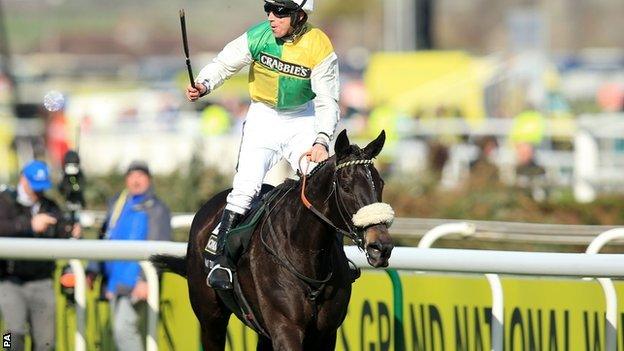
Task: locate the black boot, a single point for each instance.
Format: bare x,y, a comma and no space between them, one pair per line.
220,276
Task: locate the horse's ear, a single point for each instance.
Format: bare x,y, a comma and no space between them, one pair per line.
342,144
374,148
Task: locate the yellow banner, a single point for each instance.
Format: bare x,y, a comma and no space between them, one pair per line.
453,312
437,312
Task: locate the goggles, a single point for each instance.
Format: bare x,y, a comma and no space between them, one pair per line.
278,11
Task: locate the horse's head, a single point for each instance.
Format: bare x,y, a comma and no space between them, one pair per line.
359,189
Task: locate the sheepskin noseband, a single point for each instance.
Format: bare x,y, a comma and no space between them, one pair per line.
372,214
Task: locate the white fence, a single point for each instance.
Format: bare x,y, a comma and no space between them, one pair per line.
443,260
468,229
448,260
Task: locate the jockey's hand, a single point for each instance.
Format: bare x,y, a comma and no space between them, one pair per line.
318,153
194,92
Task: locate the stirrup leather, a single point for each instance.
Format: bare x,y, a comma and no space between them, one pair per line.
212,247
219,266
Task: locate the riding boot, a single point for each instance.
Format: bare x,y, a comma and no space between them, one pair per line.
220,276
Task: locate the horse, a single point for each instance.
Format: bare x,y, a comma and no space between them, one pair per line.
294,273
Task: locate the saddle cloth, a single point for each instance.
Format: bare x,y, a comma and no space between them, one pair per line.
239,237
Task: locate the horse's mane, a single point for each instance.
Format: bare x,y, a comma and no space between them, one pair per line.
290,184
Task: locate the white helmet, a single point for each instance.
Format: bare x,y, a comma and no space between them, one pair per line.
306,5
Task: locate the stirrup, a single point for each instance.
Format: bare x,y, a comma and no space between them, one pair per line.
208,265
215,268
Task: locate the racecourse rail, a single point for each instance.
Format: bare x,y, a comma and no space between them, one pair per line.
404,258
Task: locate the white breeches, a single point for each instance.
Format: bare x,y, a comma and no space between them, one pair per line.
269,136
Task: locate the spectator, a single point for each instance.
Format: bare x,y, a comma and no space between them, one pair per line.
530,175
483,168
26,287
215,120
134,214
437,158
528,127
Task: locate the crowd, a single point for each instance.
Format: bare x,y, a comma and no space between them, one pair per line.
27,288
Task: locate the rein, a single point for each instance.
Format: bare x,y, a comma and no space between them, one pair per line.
315,284
284,261
351,234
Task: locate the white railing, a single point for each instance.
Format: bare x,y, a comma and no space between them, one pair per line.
406,258
608,288
75,250
447,260
80,296
467,229
153,302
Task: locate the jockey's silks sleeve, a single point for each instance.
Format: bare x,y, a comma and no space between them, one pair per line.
284,75
325,85
230,60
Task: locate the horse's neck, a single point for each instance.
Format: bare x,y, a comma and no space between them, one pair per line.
308,235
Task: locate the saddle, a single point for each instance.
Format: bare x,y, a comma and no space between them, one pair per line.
237,243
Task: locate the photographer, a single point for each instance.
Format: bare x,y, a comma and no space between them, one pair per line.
26,287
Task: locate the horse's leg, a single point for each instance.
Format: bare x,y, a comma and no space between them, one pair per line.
213,334
264,344
322,343
287,337
213,316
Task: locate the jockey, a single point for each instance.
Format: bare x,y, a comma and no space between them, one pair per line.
294,88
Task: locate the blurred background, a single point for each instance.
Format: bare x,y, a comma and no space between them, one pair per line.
494,109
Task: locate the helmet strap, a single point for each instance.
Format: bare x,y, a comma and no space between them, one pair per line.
294,17
298,24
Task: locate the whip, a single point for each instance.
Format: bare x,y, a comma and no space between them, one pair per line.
186,48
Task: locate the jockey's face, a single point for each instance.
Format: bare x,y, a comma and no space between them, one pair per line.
137,182
279,25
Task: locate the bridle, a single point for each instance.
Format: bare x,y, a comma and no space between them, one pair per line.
316,285
351,232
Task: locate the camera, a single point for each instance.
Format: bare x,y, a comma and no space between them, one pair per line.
71,188
72,183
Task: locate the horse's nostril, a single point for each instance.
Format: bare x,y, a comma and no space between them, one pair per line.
375,246
386,250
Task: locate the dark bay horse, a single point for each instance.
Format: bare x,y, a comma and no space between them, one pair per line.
295,274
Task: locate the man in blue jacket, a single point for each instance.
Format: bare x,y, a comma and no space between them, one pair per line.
134,214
